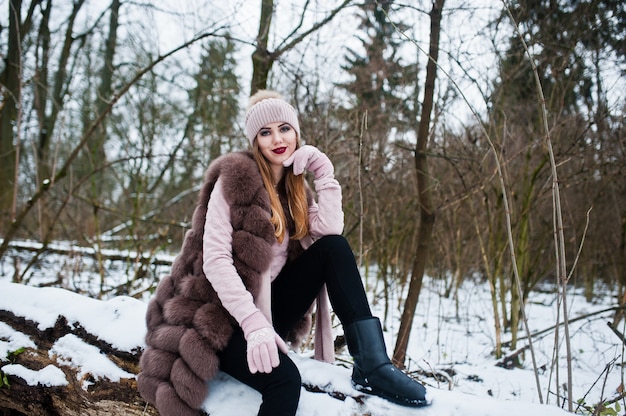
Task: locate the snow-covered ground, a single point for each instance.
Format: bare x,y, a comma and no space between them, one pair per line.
451,337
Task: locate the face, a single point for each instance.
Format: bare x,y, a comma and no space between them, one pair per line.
277,141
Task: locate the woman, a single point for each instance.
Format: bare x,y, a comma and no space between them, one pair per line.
261,252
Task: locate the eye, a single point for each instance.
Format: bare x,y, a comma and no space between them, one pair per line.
264,132
285,127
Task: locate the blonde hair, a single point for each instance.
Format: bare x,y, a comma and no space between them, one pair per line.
296,198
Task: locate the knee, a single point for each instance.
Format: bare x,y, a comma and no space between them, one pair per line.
286,377
334,242
292,375
281,394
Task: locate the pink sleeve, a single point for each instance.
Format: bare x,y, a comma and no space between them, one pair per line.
326,216
218,263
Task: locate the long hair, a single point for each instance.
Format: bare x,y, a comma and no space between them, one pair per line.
296,198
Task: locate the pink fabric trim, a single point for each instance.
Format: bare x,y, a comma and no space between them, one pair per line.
254,322
324,345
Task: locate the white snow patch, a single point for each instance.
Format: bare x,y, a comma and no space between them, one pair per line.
12,340
48,376
72,351
119,321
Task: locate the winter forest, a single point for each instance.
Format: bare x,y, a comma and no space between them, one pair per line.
476,143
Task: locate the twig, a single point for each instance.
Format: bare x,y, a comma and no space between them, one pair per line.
559,238
606,370
578,318
616,332
582,242
360,185
508,362
614,399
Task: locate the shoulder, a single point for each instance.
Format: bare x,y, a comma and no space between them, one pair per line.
235,163
232,166
238,174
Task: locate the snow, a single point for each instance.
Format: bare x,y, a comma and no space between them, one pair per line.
118,321
70,350
452,337
48,376
11,340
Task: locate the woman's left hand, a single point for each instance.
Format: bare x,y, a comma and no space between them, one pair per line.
262,351
312,159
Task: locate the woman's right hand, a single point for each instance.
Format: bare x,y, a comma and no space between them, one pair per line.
312,159
263,344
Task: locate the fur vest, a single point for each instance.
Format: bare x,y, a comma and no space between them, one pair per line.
187,325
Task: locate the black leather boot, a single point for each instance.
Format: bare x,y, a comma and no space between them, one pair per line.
373,372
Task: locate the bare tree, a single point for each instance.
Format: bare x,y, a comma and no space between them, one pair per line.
263,58
11,90
426,210
64,170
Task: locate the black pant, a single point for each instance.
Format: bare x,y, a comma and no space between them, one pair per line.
329,260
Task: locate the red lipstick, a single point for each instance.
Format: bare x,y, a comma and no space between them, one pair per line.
279,150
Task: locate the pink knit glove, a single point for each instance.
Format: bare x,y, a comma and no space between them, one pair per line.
312,159
263,343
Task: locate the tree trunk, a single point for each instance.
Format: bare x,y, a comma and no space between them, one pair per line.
41,90
95,151
11,93
262,60
426,211
49,98
95,145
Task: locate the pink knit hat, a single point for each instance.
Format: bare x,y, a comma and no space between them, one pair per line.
269,107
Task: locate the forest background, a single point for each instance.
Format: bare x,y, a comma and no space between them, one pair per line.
447,123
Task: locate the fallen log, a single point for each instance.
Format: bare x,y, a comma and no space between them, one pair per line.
37,382
28,389
512,360
58,356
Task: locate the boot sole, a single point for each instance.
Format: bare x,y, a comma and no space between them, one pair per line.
392,398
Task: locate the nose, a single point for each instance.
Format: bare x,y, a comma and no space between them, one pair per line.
276,136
